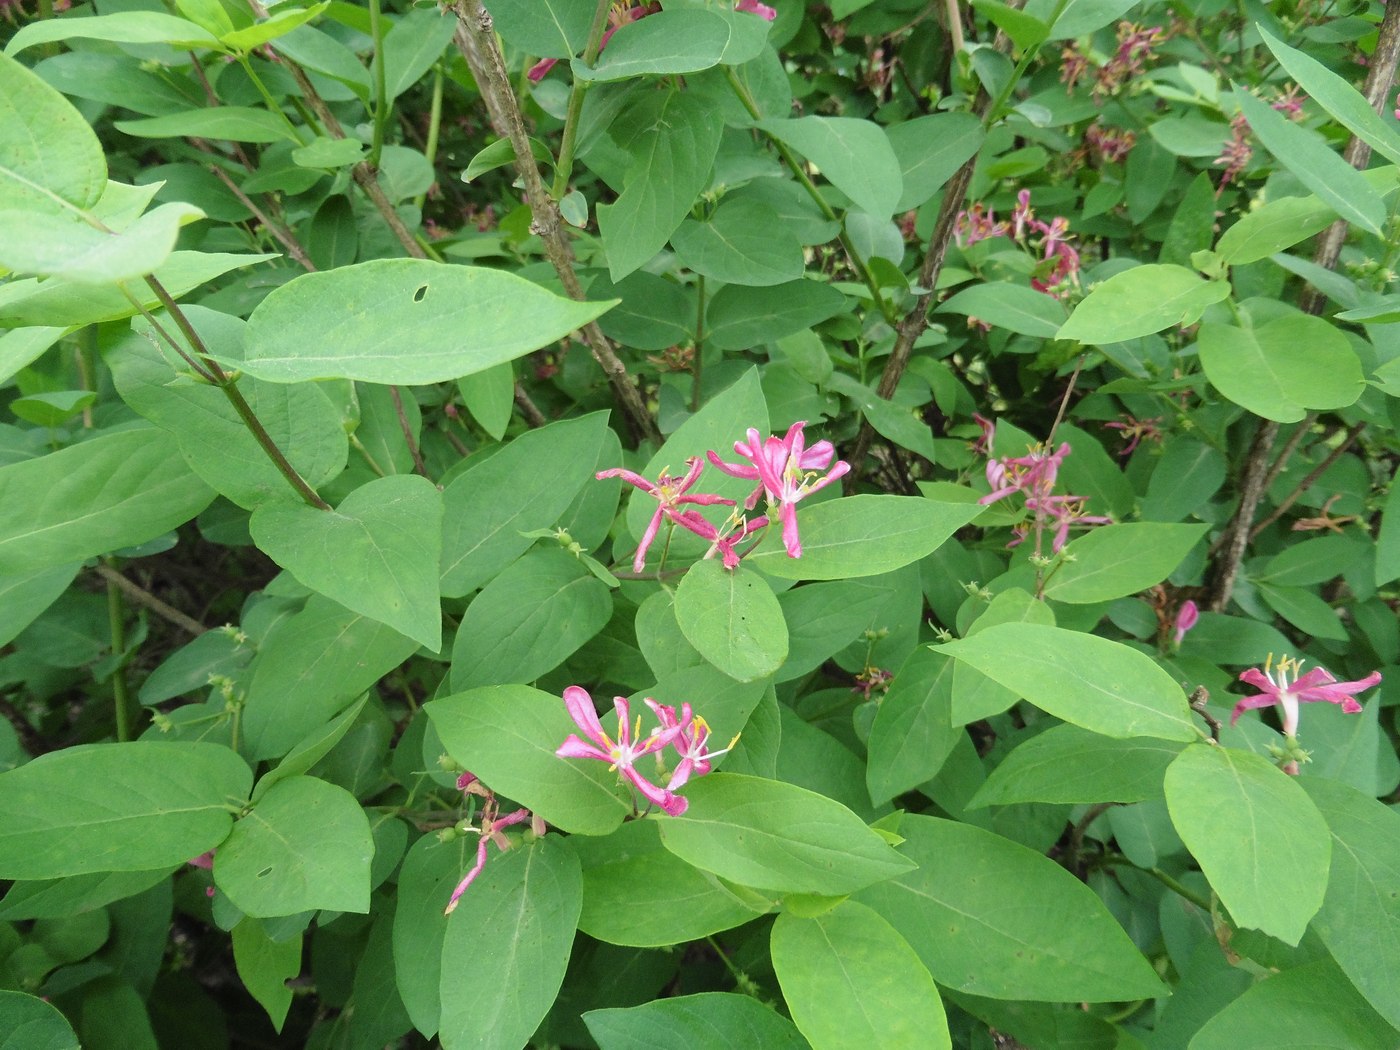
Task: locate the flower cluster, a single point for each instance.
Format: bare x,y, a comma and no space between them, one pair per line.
621,15
490,828
1135,47
1058,268
1236,154
686,733
1282,684
1111,144
787,471
1137,431
1033,475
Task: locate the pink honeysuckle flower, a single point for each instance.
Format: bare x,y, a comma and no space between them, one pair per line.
204,860
692,743
753,7
786,470
983,445
1137,431
1065,510
621,754
670,492
1281,684
1033,473
726,542
1186,618
490,831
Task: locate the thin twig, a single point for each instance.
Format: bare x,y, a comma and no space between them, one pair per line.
1076,835
284,236
408,437
1289,447
476,40
1353,432
528,408
1224,571
1200,697
145,598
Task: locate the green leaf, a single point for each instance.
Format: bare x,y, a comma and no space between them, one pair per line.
1079,17
742,243
1337,97
1360,916
930,149
232,123
550,28
733,620
525,486
740,317
403,321
913,731
310,668
377,553
1311,1006
854,155
1015,307
1187,475
212,437
500,153
25,595
774,836
654,313
1067,764
1272,227
30,1023
1305,611
864,536
414,42
1257,836
507,735
1026,31
75,894
117,807
504,956
124,27
47,149
1309,159
663,44
528,620
638,893
430,871
22,347
281,23
1141,301
490,397
326,152
1101,685
116,490
670,139
310,749
1387,539
1282,368
265,966
305,845
993,918
824,618
688,1021
975,696
843,972
1117,560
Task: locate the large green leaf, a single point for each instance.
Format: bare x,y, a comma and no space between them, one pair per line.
550,28
117,807
1073,765
430,871
377,553
663,44
413,44
913,731
636,892
403,321
305,845
30,1023
842,971
742,243
1117,560
1257,836
508,734
1141,301
930,149
1272,227
1015,307
670,139
864,536
123,27
778,837
733,620
854,155
492,506
233,123
504,956
993,918
1103,686
1282,368
740,317
265,966
975,695
68,245
49,156
116,490
1308,158
25,595
689,1021
1360,917
528,620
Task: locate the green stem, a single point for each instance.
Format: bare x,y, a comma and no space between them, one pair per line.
1161,876
740,978
698,364
858,261
121,698
430,148
381,91
1027,57
565,167
271,102
229,386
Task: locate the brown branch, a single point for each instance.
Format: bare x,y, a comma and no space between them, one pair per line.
1353,432
407,430
528,408
476,40
141,596
1256,463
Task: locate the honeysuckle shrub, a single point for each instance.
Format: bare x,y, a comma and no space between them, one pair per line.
697,524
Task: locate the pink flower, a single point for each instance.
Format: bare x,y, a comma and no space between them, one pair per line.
670,493
726,543
490,831
753,7
204,860
1284,686
786,470
1186,618
1033,473
1065,511
692,742
622,753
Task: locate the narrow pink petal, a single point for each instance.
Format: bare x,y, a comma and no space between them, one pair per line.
1248,703
580,707
818,456
624,719
734,470
696,465
639,561
573,747
628,476
788,516
1259,680
539,70
841,469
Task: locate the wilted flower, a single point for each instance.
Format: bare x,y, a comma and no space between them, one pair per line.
1236,154
1137,431
490,831
621,754
670,492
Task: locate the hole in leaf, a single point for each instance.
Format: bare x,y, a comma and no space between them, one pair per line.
421,294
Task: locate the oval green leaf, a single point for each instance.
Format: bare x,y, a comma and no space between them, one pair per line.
1141,301
1117,560
733,619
